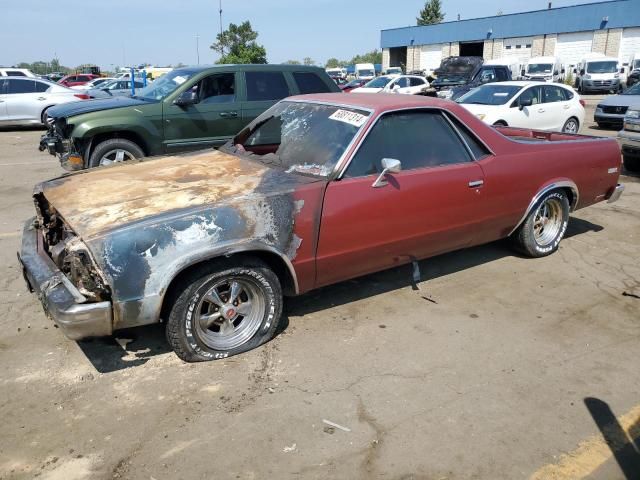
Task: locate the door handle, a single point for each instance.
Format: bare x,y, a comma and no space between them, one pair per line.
476,183
567,107
541,110
42,98
229,114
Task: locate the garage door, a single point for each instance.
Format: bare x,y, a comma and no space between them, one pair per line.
517,47
571,47
630,43
430,57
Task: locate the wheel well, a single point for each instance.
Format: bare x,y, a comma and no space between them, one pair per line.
127,135
272,260
44,110
501,123
571,195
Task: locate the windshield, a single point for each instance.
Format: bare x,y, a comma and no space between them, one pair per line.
166,84
635,90
108,84
602,67
494,94
539,68
394,70
379,82
299,137
365,73
636,65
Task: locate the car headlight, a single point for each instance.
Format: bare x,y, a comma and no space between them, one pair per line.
599,109
481,116
617,75
632,114
587,77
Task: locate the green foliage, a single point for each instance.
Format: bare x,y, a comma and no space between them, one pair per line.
334,63
42,68
374,57
431,13
568,80
238,44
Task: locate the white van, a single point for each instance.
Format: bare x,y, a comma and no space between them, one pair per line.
365,71
597,73
16,72
337,72
513,64
544,69
630,64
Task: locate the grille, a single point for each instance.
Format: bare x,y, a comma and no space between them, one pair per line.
615,110
602,83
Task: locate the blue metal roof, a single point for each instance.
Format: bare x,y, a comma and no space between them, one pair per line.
577,18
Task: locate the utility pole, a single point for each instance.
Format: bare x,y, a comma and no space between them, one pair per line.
220,12
198,48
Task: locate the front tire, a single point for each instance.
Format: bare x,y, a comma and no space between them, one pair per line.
224,310
114,150
571,126
544,227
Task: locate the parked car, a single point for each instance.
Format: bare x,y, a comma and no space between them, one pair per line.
597,73
77,79
186,109
611,110
16,72
352,85
393,71
405,84
93,83
544,69
26,100
633,78
486,74
522,104
317,190
54,77
629,138
365,71
114,88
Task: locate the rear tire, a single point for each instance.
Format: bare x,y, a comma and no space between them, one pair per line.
43,116
544,227
572,125
631,164
500,123
224,309
114,150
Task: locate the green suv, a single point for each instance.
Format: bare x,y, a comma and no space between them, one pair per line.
186,109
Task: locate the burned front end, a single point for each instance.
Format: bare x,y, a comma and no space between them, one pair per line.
60,269
58,142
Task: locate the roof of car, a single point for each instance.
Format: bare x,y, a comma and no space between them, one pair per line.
375,101
526,83
241,66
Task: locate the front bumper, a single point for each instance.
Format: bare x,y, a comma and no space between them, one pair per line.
601,85
629,142
63,148
608,118
616,194
61,301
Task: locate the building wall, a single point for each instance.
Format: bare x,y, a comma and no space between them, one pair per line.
550,45
385,58
487,52
537,48
413,58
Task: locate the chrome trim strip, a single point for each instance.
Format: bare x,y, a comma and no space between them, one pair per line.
476,183
372,124
544,191
617,193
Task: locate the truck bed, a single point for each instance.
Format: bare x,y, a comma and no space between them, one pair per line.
527,135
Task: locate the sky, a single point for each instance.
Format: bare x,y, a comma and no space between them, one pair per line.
163,32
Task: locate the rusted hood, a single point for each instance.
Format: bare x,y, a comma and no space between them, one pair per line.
104,199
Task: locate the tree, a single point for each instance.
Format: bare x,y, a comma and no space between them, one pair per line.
292,62
308,61
431,13
238,44
374,57
334,63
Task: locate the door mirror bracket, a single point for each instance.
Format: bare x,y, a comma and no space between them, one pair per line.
389,165
186,98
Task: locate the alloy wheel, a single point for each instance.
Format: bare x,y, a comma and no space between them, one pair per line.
547,222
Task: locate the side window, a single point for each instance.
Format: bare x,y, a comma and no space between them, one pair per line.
416,82
84,78
532,93
263,86
419,139
477,148
553,94
501,74
487,75
218,88
568,94
310,83
15,73
403,82
20,86
41,87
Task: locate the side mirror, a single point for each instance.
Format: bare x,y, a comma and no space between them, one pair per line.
556,72
562,71
389,165
622,70
522,72
582,72
575,70
186,98
526,102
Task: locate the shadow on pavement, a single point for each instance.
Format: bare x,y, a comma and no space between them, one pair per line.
625,448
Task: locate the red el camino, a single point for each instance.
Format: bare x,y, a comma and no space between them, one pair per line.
317,190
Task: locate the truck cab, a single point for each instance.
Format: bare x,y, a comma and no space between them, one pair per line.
544,69
365,71
597,73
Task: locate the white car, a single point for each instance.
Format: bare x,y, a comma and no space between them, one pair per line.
93,83
535,105
16,72
24,100
407,84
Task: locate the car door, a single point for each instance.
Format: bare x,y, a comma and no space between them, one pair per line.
556,107
531,116
416,85
431,206
3,100
213,120
23,102
263,89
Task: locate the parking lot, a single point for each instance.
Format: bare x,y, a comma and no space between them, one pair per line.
497,366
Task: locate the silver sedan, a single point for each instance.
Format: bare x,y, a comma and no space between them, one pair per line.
114,88
25,101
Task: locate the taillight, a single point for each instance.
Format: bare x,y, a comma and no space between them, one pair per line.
582,102
82,96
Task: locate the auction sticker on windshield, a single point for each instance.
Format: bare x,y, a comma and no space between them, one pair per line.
352,118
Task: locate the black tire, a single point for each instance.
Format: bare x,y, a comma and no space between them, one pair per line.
500,123
189,340
131,149
525,238
567,124
43,116
601,125
631,164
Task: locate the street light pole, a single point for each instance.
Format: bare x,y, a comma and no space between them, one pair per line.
198,48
